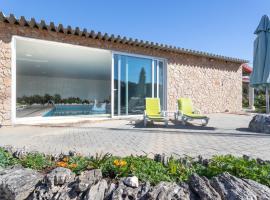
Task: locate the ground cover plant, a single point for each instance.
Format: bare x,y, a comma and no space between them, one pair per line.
145,168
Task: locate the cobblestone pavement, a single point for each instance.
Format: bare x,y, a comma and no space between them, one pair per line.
225,134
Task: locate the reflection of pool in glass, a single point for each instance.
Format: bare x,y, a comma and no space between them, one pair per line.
71,110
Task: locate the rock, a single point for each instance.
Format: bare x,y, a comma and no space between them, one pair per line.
123,192
72,153
59,176
18,183
260,161
230,187
202,188
246,157
160,158
20,153
58,184
97,191
109,192
262,191
88,178
166,190
10,149
260,123
132,181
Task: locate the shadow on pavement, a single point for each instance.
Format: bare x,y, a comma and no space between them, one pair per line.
189,126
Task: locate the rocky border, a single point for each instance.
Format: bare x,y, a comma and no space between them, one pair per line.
18,183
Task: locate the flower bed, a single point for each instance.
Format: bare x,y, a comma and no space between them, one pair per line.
146,169
35,176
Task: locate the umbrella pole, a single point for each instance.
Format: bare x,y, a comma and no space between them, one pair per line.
267,100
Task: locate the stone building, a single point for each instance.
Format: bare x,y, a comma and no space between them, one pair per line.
100,75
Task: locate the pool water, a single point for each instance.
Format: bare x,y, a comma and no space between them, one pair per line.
70,110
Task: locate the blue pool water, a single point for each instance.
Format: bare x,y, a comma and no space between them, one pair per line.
69,110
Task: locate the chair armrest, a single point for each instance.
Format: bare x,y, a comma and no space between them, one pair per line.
197,111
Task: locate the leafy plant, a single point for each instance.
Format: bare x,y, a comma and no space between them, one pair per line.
75,163
6,158
237,166
37,161
99,160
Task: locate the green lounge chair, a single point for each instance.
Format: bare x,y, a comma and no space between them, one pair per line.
153,113
187,112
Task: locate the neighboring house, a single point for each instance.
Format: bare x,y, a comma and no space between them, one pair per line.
87,73
248,92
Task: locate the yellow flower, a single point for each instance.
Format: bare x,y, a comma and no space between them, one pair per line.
123,163
61,164
116,162
119,163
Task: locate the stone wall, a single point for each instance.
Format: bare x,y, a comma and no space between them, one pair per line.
214,85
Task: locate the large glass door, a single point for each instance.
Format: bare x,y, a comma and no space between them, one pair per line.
136,78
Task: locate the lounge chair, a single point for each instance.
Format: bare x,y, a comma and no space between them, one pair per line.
153,113
186,112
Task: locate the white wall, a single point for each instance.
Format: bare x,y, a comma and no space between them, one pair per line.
66,87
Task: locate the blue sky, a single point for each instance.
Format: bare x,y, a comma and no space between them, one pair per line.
217,26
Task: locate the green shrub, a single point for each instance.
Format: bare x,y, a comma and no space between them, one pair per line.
6,158
37,161
144,168
237,166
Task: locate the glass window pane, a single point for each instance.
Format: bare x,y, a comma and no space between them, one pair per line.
139,83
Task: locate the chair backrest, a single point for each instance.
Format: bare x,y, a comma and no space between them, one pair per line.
152,106
185,105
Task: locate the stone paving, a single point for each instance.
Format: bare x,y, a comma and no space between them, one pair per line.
225,134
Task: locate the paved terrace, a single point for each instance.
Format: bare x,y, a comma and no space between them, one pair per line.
225,134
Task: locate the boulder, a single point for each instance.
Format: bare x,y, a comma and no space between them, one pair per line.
167,190
123,191
260,123
88,178
58,184
202,188
262,191
18,183
132,181
97,191
230,187
59,176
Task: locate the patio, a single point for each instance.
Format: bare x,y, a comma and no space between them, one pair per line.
225,134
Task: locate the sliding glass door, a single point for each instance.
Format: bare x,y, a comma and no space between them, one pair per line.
136,78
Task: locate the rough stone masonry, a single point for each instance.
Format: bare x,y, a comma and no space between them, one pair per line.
215,85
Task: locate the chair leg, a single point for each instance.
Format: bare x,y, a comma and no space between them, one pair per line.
144,121
183,121
166,123
205,122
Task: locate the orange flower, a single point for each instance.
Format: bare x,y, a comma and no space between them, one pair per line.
61,164
65,159
73,165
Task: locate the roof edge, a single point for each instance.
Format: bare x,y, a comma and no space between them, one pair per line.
110,37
